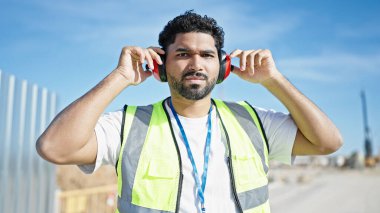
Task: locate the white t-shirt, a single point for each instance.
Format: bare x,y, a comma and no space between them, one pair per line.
279,128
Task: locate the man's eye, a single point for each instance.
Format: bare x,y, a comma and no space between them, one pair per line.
206,55
182,54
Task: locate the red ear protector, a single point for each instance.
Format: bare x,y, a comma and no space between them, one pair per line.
159,71
225,66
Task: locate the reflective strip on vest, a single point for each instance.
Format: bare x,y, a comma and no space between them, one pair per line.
249,162
264,208
254,198
245,120
138,119
259,126
149,162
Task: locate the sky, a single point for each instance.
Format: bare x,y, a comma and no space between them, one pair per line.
330,50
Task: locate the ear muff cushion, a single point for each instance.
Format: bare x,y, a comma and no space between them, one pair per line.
225,66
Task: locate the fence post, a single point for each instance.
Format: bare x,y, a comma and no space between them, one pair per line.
7,143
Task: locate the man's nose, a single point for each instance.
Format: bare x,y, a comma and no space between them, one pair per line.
195,63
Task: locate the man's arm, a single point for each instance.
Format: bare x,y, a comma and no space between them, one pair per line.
70,137
316,132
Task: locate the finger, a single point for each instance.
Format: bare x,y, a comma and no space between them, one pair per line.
235,53
256,55
237,71
243,59
267,54
141,55
251,62
155,56
148,58
146,75
138,54
157,50
259,58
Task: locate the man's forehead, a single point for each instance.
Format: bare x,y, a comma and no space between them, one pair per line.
193,42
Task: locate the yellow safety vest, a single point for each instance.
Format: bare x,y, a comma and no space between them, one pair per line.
149,166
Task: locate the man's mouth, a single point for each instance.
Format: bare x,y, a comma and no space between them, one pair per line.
194,76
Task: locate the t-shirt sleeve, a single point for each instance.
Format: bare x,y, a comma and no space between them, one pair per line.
281,132
107,130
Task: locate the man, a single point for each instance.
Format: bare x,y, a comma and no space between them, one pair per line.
189,153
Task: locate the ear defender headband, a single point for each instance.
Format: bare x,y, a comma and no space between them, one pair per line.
159,71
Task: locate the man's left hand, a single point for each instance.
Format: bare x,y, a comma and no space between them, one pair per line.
256,66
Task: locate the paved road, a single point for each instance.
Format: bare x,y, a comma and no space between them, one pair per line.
325,191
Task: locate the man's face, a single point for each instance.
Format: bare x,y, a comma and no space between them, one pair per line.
192,65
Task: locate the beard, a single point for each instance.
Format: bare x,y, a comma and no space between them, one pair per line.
193,91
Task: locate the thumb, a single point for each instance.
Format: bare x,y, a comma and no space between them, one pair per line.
146,74
236,70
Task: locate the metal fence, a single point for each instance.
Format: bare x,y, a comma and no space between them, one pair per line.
27,182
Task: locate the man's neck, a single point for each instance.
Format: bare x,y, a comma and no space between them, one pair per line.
191,108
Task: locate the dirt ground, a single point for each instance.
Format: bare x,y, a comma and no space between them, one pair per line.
291,189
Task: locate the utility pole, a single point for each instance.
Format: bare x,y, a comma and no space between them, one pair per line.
367,137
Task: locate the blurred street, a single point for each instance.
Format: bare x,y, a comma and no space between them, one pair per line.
313,190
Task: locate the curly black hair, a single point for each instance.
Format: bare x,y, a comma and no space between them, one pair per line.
191,22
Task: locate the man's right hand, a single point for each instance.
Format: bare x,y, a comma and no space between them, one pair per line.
70,138
131,60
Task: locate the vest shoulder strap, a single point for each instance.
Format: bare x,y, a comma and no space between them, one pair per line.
244,110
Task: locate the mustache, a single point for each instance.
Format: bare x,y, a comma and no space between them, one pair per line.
194,73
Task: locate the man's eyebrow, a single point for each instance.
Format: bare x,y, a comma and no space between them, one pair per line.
208,52
181,49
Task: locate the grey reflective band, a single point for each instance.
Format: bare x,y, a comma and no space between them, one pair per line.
261,125
224,138
131,155
247,123
253,198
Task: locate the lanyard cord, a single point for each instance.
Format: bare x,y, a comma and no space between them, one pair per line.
201,189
